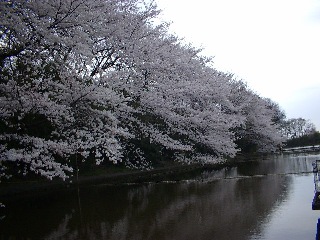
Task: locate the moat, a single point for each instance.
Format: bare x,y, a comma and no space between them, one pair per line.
265,198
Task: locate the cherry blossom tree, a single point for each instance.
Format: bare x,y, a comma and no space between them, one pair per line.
260,129
53,56
89,79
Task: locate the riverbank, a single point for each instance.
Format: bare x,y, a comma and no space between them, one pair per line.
114,176
174,172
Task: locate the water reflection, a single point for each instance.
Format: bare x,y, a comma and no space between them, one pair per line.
227,204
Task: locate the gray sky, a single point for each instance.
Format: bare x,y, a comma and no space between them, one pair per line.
273,45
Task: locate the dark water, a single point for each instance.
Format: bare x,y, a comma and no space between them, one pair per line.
261,199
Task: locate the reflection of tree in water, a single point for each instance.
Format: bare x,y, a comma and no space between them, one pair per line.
61,230
220,209
223,209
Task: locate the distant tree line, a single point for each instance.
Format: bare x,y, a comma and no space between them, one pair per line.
297,127
311,139
299,132
93,81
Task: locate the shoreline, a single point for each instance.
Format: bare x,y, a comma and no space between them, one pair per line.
175,172
172,172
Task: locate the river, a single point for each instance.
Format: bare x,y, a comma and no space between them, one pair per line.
266,198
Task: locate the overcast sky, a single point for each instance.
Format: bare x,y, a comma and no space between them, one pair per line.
273,45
